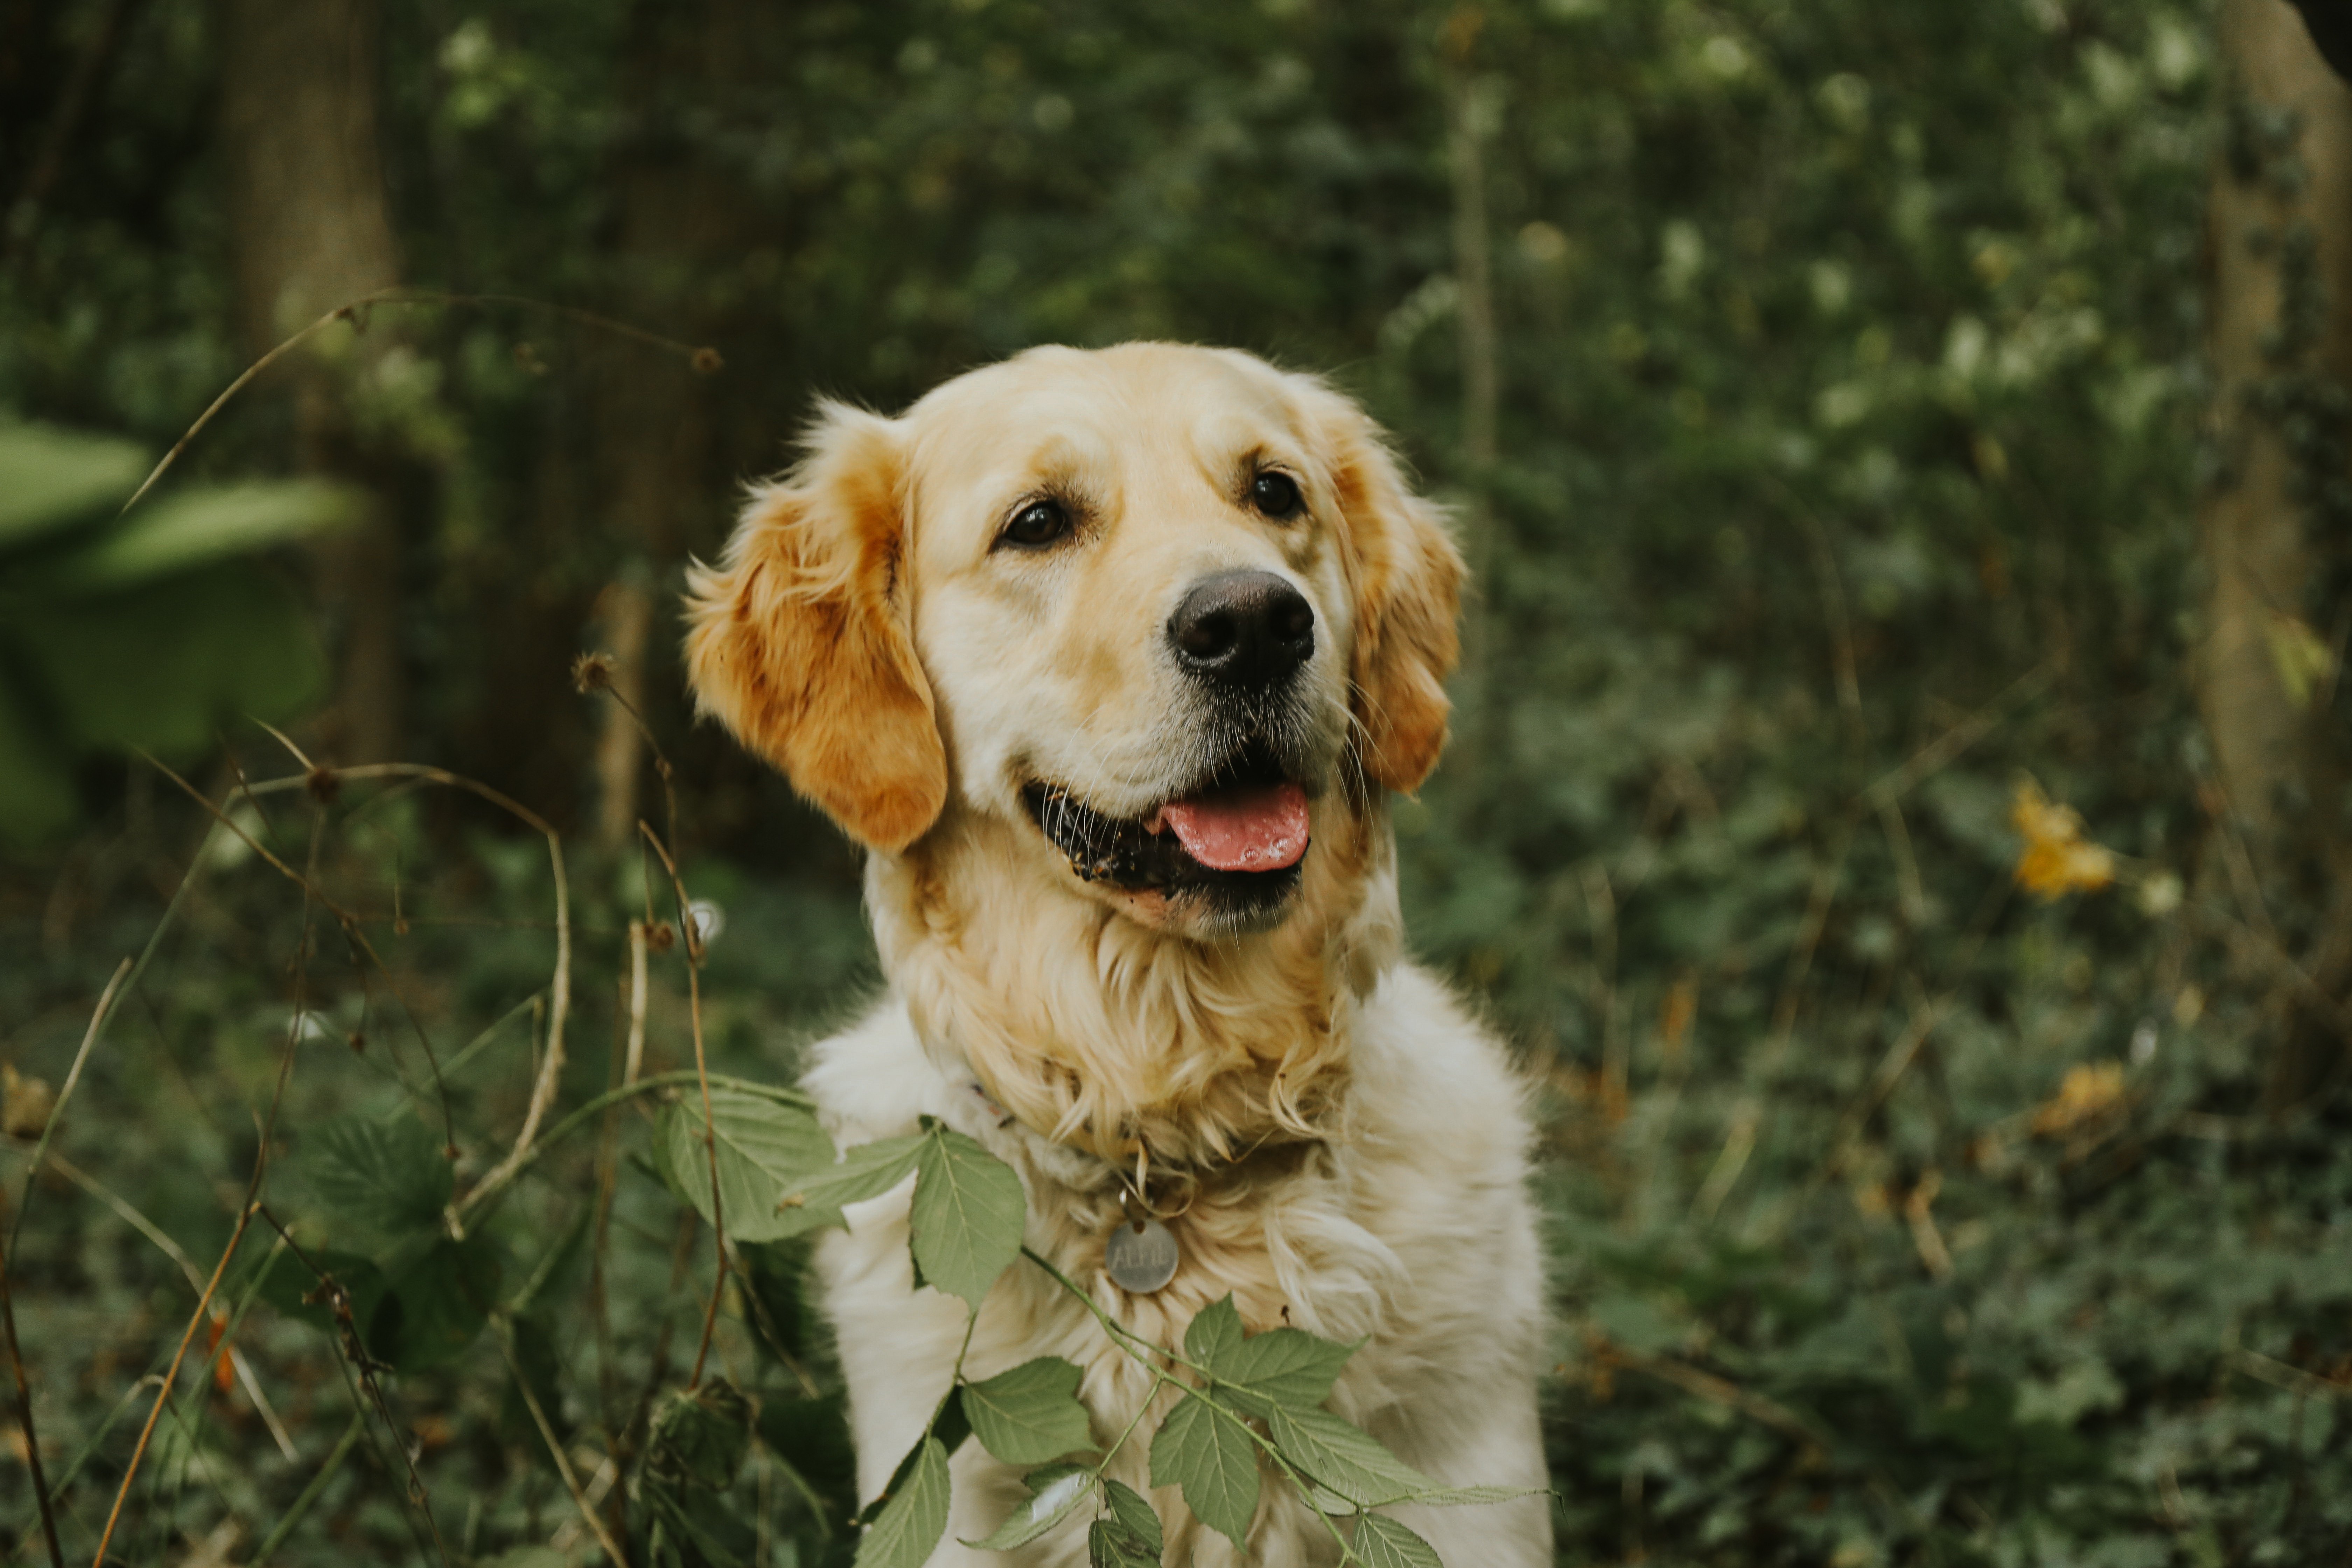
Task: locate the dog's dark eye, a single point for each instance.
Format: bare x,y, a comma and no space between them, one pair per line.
1277,495
1036,525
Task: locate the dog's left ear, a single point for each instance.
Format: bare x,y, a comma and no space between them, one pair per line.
798,642
1408,578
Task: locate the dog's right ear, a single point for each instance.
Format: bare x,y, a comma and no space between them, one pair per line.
798,642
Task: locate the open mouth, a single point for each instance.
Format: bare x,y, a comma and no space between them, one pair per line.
1241,831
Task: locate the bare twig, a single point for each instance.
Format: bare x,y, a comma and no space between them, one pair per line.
25,1416
252,1201
147,1228
555,1449
635,1058
308,1496
98,1018
704,359
693,943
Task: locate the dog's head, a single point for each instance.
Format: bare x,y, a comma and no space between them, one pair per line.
1154,605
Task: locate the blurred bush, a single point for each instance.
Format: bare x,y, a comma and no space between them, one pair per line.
143,632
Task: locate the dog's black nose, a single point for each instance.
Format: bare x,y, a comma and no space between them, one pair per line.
1243,629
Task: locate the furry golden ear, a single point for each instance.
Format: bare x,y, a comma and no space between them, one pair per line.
798,641
1408,578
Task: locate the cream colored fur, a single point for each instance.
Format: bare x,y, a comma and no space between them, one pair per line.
1351,1145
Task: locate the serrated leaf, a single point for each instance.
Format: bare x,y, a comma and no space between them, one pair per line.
949,1428
866,1170
1283,1366
1346,1458
911,1523
439,1294
1111,1544
1214,1332
1382,1543
1206,1453
763,1146
387,1176
1055,1493
913,1520
1131,1509
1031,1413
970,1213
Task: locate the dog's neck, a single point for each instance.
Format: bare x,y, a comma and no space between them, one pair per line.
1119,1040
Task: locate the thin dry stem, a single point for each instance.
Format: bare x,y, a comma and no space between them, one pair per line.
703,359
636,1060
703,1076
562,1460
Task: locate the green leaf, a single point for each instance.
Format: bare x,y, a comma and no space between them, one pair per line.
200,527
763,1146
950,1426
390,1177
286,1279
1214,1332
1031,1413
163,665
441,1293
37,785
699,1435
50,478
911,1523
1284,1366
1344,1458
866,1170
1204,1451
1352,1463
1132,1510
1055,1493
1382,1543
1111,1544
970,1214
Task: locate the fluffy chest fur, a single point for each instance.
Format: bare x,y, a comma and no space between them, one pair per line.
1413,1234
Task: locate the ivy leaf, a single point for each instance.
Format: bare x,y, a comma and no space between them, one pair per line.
1132,1510
911,1523
389,1177
1031,1413
1382,1543
1282,1367
1055,1493
763,1145
1205,1451
970,1213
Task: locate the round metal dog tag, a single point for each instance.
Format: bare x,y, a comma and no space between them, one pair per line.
1141,1255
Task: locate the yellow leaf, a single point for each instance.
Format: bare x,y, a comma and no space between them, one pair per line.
2057,859
2086,1091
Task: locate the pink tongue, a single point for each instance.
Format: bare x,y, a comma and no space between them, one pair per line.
1244,827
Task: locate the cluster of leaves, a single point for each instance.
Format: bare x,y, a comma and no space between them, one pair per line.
770,1162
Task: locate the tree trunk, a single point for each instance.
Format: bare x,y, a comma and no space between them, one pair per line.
2279,325
685,222
311,227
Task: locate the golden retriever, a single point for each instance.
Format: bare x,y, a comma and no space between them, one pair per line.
1109,660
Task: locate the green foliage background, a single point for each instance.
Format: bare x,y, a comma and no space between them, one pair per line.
1847,454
